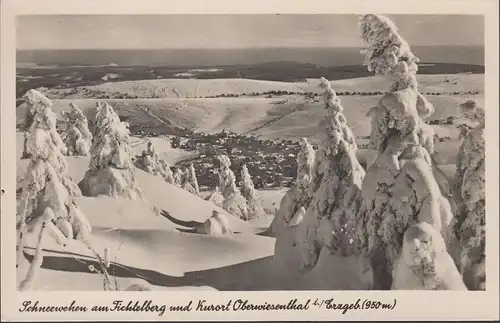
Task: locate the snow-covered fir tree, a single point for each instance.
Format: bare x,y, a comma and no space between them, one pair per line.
399,188
185,183
34,101
470,196
47,191
167,174
233,202
149,160
191,178
335,187
255,208
145,162
178,176
76,136
111,171
297,197
216,197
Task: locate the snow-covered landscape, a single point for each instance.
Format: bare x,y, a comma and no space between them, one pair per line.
374,182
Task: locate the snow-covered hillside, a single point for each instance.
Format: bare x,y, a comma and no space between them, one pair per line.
185,88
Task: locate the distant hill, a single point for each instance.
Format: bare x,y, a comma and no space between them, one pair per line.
284,71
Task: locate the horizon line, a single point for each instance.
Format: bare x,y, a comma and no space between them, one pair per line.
231,48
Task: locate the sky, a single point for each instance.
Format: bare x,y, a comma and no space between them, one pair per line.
233,31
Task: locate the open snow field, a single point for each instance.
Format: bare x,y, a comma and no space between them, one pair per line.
283,117
183,88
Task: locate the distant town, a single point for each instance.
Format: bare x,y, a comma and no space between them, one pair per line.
270,163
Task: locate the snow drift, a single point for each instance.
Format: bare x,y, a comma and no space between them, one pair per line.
216,224
424,262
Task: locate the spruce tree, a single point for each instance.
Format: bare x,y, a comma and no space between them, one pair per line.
255,208
111,171
335,187
297,196
77,136
399,187
470,226
191,177
47,191
233,202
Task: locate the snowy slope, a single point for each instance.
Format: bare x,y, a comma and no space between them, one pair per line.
147,248
183,88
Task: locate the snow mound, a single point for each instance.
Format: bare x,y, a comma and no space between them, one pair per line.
217,224
331,272
424,262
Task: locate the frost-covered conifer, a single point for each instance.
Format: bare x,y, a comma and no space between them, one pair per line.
255,208
111,171
297,196
178,176
191,178
150,161
185,180
399,187
167,172
233,203
77,136
47,194
35,101
216,197
335,187
470,198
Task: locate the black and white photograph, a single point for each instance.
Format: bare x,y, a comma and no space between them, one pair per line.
250,152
